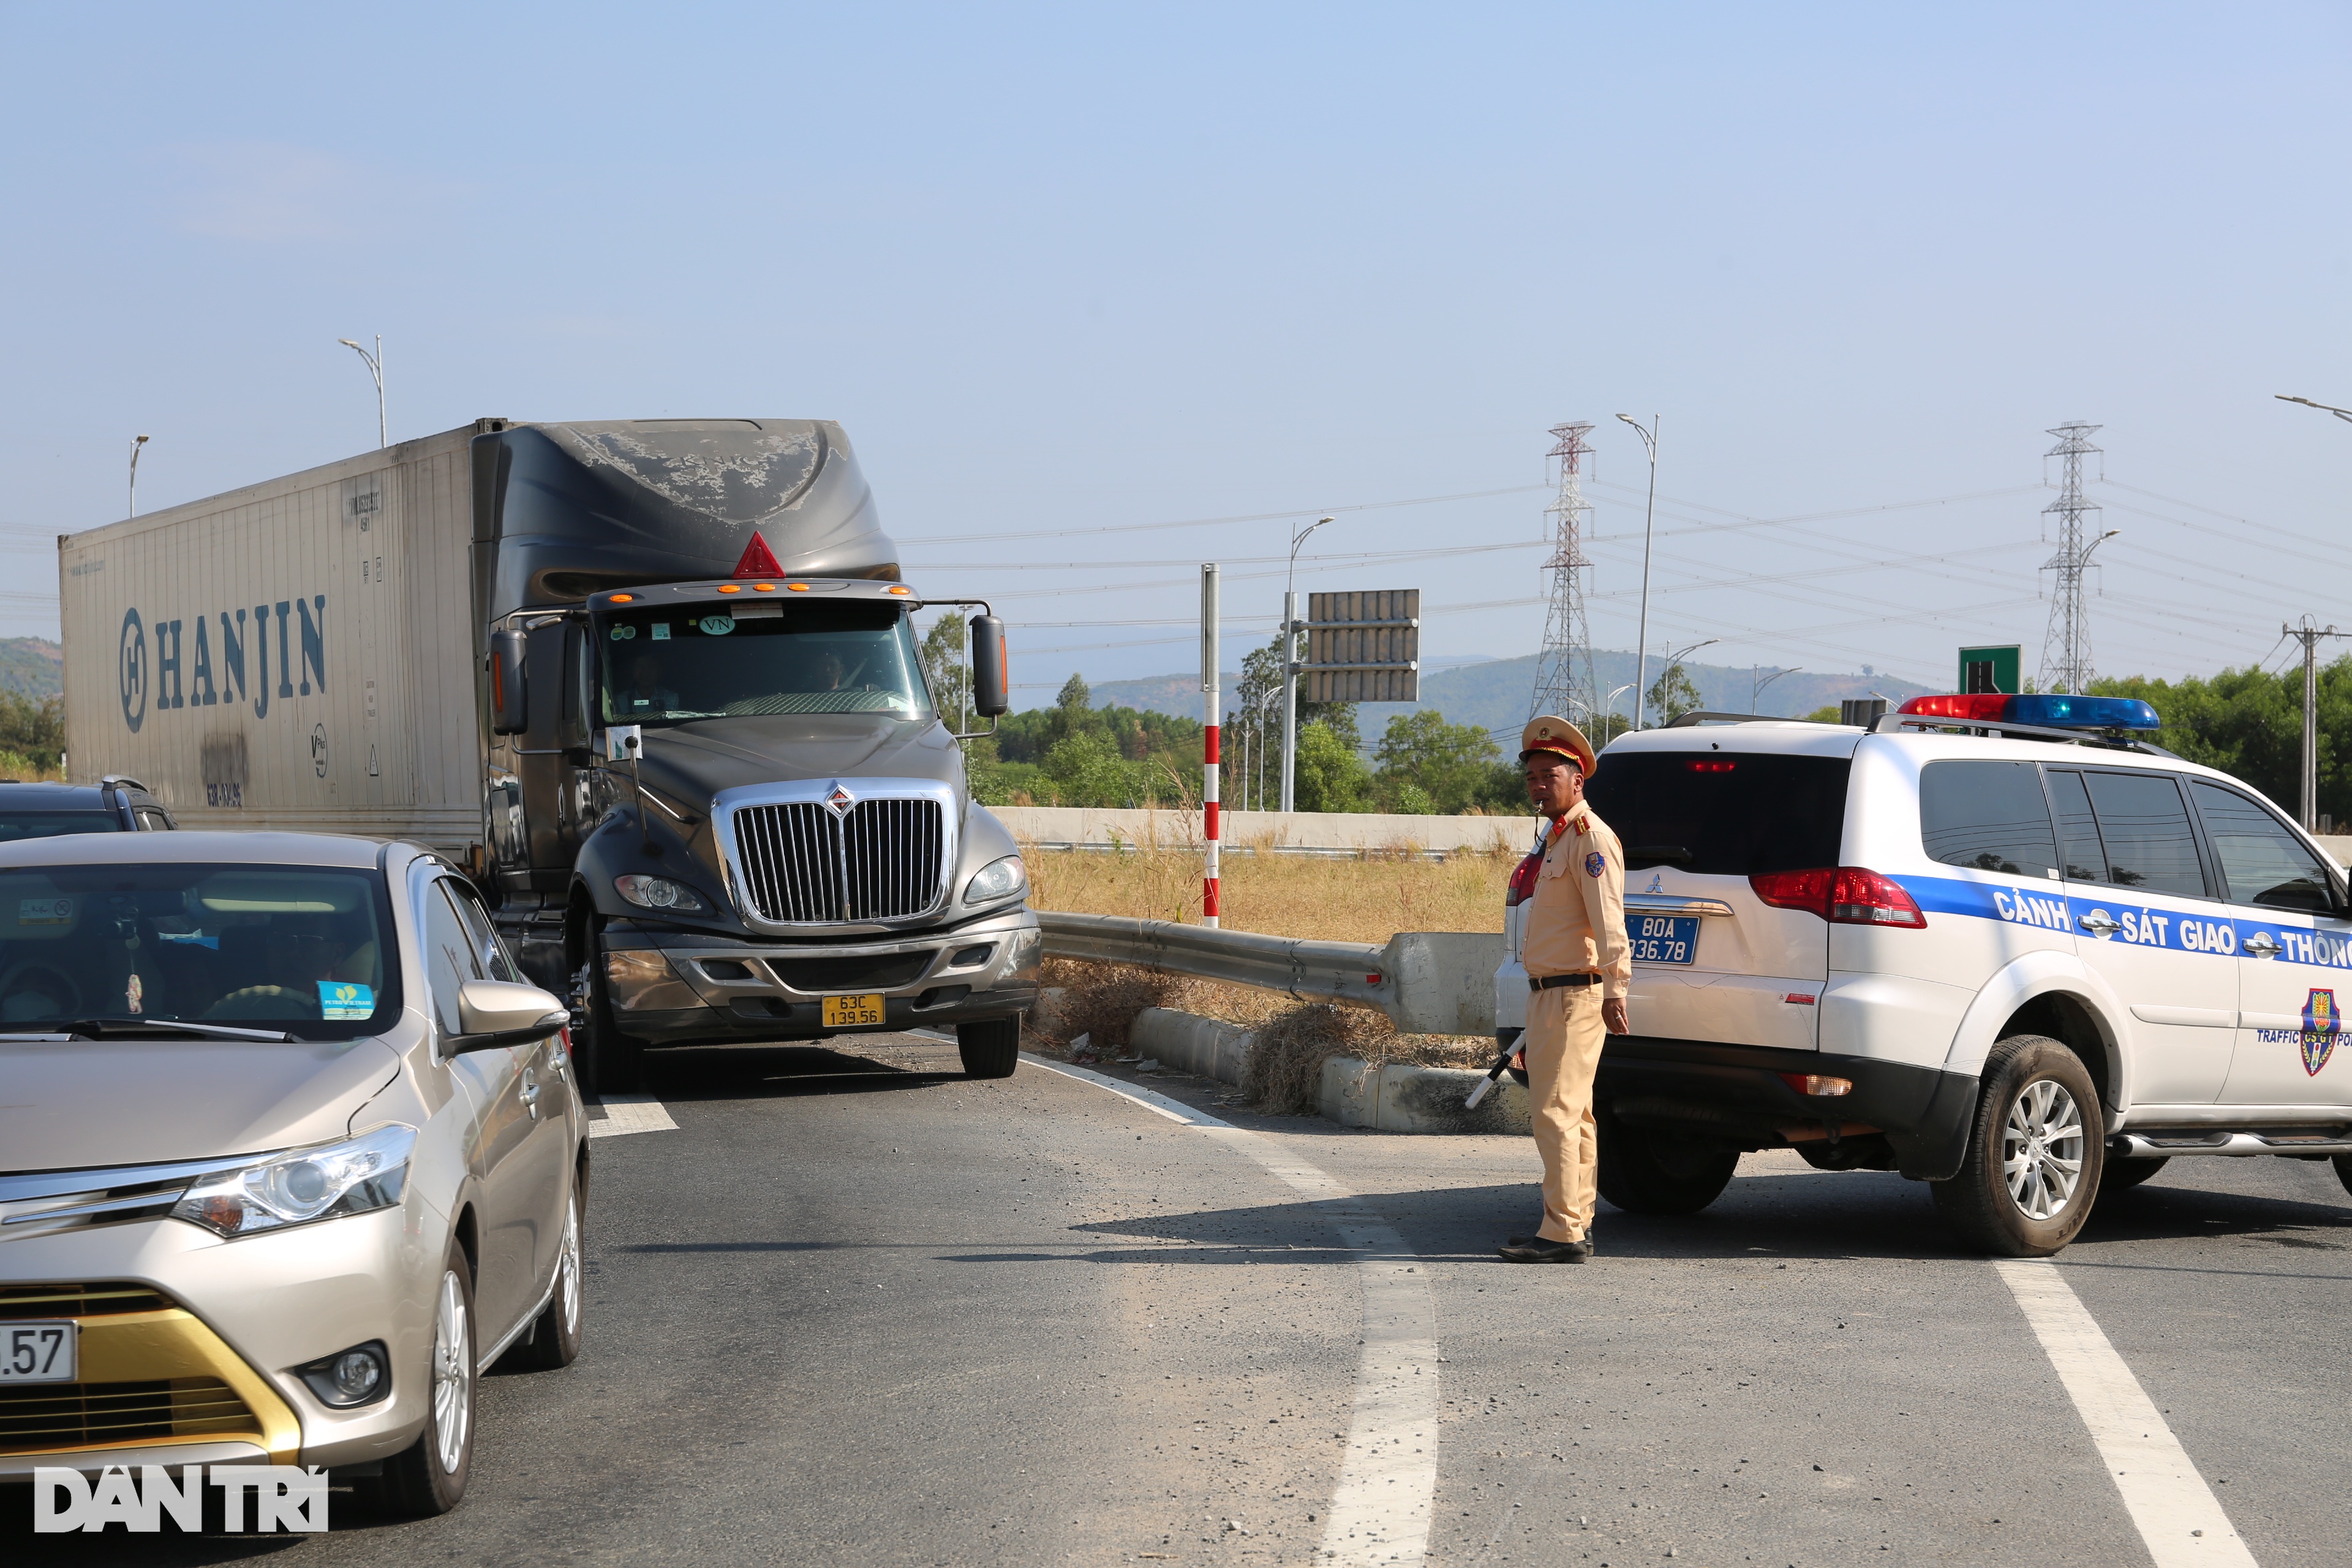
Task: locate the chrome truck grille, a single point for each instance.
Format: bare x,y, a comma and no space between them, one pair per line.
836,853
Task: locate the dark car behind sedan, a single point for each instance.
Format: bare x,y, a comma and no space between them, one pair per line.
113,805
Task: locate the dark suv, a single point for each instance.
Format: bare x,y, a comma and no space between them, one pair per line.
113,805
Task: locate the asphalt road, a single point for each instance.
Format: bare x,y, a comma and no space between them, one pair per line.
855,1309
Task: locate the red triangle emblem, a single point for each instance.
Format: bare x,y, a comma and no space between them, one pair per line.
759,561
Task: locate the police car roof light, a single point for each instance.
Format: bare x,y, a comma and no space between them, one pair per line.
2050,711
2061,711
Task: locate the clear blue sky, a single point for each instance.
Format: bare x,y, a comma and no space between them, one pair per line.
1060,268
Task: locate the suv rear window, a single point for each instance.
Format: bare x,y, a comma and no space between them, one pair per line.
1988,816
1727,814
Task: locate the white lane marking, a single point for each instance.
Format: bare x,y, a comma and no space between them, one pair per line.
1388,1484
627,1113
2176,1512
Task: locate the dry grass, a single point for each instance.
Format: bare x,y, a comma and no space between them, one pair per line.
1329,898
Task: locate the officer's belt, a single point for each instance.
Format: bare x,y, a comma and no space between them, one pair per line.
1554,982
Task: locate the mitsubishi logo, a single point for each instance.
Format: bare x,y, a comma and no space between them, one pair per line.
1658,883
838,800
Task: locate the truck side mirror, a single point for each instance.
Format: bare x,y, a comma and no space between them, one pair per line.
509,700
572,718
991,693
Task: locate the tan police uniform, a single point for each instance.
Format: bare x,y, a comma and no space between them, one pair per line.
1575,928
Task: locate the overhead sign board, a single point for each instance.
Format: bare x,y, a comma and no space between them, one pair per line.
1984,670
1363,647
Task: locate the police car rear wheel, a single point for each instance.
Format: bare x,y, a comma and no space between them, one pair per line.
2032,1163
1645,1170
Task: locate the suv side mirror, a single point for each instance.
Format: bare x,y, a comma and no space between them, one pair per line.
991,691
509,699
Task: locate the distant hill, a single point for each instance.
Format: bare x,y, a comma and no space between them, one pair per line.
33,666
1492,693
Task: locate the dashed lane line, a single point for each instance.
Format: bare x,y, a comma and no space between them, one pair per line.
627,1113
2176,1512
1388,1484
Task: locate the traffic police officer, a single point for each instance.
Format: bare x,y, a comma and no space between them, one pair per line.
1579,966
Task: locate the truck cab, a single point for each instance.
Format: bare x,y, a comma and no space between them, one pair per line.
725,805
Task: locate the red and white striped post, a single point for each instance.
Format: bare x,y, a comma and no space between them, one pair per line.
1209,758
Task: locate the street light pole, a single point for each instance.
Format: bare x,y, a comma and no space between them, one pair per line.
1674,661
136,443
2343,414
375,369
1642,633
1756,688
1290,667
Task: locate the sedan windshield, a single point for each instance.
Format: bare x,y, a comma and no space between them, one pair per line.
281,948
768,656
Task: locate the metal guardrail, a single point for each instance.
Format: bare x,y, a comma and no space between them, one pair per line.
1428,983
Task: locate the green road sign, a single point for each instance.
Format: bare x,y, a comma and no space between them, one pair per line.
1988,669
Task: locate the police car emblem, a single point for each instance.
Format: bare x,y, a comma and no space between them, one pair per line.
2321,1023
1594,865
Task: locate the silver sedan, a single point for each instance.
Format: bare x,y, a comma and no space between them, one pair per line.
288,1154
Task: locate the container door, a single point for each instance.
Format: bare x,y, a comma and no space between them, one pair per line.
1712,961
2137,890
2293,945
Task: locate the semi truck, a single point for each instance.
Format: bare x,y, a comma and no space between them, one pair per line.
655,685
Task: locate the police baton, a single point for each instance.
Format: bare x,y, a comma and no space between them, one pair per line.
1494,1076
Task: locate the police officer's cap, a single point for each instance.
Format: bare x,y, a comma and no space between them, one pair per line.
1553,733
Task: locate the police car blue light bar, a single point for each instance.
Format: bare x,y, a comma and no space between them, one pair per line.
2055,711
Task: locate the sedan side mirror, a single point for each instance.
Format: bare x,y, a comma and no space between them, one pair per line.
492,1014
509,704
991,691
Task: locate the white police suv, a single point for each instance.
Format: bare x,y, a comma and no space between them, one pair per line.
1992,942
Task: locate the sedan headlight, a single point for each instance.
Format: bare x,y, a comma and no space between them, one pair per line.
326,1182
997,879
660,893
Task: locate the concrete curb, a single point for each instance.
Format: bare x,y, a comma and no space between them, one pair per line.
1392,1097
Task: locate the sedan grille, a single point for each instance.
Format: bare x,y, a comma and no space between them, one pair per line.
803,865
80,1301
39,1417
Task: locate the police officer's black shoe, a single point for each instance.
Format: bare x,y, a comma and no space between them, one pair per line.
1591,1242
1536,1249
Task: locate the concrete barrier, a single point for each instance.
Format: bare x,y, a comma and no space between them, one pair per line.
1392,1096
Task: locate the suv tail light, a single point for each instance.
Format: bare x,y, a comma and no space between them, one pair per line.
1523,882
1845,895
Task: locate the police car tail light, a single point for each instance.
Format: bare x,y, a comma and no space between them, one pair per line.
1523,882
1843,895
1866,898
1806,890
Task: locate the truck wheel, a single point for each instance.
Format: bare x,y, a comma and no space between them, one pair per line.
609,1061
2033,1166
990,1047
429,1476
1646,1170
2122,1175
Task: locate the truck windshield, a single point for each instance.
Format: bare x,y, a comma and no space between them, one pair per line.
667,665
290,948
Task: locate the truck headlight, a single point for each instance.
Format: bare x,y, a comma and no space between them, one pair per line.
660,893
997,879
328,1181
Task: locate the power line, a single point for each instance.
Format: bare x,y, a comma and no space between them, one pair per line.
1220,522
